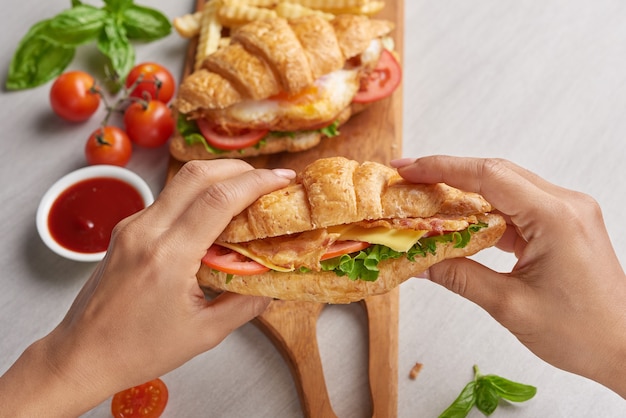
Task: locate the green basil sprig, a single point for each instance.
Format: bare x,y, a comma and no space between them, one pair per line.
49,46
485,392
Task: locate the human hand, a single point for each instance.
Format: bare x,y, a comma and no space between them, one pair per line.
565,298
142,313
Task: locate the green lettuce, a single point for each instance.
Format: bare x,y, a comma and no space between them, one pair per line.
189,130
364,264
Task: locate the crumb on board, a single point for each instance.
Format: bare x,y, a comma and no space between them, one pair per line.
415,371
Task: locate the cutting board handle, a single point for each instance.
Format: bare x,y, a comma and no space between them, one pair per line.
292,328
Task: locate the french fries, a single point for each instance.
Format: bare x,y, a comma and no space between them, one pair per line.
235,14
217,17
210,32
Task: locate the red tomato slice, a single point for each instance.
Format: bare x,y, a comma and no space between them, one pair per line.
144,401
219,139
382,81
231,262
344,247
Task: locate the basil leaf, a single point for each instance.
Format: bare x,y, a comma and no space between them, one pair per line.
509,390
75,26
36,60
486,396
144,23
114,44
117,5
463,404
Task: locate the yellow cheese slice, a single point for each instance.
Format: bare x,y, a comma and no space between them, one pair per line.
400,240
244,251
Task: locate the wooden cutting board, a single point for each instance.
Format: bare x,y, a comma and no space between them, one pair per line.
373,135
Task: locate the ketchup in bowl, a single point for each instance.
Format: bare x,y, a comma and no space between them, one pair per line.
83,216
78,213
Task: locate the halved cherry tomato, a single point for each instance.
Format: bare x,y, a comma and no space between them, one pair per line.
344,247
382,81
144,401
219,139
231,262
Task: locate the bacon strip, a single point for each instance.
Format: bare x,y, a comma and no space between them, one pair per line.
305,249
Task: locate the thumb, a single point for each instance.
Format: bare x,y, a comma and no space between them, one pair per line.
229,311
491,290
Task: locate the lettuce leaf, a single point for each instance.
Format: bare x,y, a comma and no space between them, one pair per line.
364,264
191,133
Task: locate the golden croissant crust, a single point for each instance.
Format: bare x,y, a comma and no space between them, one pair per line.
336,190
267,57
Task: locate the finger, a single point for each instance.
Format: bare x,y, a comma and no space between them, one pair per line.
207,216
494,292
508,240
187,184
443,161
501,182
228,312
493,179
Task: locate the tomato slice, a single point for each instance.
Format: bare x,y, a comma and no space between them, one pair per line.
344,247
231,262
144,401
217,138
382,81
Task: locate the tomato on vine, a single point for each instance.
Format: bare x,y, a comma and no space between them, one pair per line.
149,123
108,145
74,96
156,82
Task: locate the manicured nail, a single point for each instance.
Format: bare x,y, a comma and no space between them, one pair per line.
402,162
285,173
423,275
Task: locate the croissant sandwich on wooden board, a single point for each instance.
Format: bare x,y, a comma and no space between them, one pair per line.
283,85
344,231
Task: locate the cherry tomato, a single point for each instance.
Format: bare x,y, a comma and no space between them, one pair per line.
157,82
231,262
108,145
344,247
219,139
149,124
144,401
74,96
382,81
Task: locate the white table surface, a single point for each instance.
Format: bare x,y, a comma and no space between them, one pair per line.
540,82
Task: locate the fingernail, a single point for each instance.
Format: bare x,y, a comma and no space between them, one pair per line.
423,275
285,173
402,162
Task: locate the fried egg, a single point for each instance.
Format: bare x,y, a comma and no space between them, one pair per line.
314,106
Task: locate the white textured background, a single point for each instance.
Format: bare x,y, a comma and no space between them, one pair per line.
540,82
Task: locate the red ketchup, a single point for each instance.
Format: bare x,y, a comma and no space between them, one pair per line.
82,218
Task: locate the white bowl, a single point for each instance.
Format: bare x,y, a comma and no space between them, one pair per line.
70,179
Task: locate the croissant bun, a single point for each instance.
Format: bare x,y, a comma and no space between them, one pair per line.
336,191
267,57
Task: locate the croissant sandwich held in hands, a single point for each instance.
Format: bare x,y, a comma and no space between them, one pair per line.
344,231
283,85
